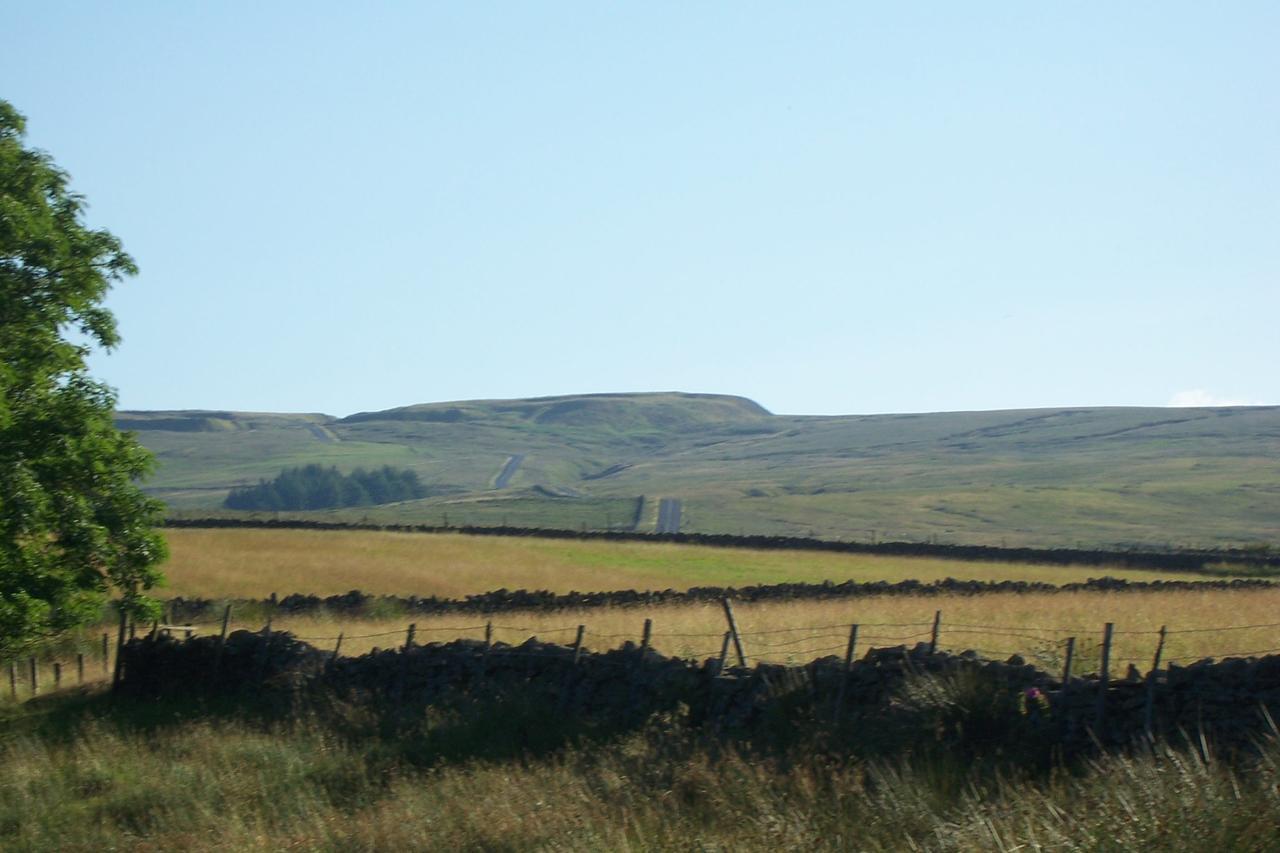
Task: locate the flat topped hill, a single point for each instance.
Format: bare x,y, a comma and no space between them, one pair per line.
619,412
1087,476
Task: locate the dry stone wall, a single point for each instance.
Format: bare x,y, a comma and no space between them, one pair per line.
1230,701
505,601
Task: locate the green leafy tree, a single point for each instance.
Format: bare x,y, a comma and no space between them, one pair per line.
74,526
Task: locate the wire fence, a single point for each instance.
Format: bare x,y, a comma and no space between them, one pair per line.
1103,649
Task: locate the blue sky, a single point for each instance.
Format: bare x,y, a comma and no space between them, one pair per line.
830,208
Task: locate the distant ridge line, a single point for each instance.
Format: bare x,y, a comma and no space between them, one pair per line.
1190,560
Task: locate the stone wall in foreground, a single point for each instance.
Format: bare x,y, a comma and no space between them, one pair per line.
1228,700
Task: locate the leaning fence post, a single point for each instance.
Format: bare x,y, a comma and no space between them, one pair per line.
337,647
844,674
1148,715
119,671
724,652
1104,678
645,638
733,630
408,638
35,677
222,640
937,627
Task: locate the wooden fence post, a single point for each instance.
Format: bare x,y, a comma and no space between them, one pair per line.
569,673
1104,679
13,681
733,630
57,675
937,627
724,652
337,647
577,644
119,670
844,674
79,667
488,635
645,638
1066,666
222,640
35,677
406,662
1148,714
106,653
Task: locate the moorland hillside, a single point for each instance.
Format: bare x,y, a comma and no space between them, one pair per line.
1045,477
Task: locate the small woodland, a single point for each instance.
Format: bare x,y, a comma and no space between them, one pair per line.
318,487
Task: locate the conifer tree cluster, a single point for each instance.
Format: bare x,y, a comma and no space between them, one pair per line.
317,487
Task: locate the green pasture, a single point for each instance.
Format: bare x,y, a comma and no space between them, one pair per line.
1088,477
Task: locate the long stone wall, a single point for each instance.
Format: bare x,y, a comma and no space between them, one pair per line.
504,601
1227,701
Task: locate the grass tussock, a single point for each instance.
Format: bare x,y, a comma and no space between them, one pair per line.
93,776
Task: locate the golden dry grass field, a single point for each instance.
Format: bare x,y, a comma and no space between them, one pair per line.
1200,624
254,563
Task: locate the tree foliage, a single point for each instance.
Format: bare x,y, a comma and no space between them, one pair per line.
74,526
316,487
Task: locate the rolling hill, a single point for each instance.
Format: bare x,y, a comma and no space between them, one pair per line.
1046,477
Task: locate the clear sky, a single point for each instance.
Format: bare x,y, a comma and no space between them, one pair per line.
829,208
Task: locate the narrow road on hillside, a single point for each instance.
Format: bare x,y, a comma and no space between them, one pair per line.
508,469
321,433
668,516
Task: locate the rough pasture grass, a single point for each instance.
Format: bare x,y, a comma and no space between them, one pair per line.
148,776
802,630
256,563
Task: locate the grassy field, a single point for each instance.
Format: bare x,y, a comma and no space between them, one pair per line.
86,773
997,626
227,564
255,563
1050,477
